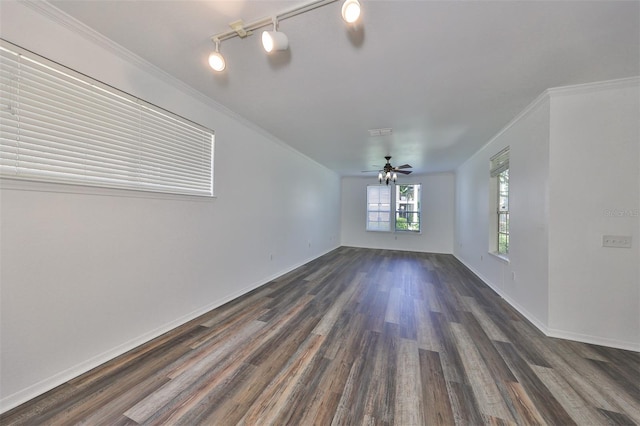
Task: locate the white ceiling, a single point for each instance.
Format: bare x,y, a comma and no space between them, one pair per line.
445,75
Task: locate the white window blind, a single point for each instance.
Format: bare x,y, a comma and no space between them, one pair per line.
378,208
59,126
499,162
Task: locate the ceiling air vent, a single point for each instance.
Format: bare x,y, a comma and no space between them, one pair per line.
380,132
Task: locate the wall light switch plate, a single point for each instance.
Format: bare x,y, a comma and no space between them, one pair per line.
618,241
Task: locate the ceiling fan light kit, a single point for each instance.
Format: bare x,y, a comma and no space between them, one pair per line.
387,177
275,40
390,173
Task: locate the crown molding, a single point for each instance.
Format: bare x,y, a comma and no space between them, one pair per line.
537,103
56,15
548,94
577,89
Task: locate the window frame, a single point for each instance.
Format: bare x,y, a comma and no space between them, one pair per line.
502,213
499,233
418,200
393,190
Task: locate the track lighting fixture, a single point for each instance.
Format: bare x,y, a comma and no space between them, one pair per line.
216,60
351,11
274,40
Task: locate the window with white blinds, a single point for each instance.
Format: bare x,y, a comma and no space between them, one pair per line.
499,162
57,125
378,208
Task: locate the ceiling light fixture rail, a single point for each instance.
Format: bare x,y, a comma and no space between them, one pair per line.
350,13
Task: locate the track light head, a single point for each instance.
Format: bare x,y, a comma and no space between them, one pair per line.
216,60
351,11
274,40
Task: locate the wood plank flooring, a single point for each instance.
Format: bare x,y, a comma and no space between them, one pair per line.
355,337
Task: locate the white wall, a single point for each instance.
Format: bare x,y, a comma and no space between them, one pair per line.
437,206
528,139
595,191
574,176
89,274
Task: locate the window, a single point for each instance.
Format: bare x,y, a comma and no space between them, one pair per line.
503,212
500,178
407,207
57,125
378,208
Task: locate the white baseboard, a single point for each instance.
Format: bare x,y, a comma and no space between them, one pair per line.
540,325
410,250
550,332
62,377
594,340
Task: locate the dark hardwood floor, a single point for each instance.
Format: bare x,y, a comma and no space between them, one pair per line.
357,336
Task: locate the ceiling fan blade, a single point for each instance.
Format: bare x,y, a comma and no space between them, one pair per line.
369,171
404,166
404,172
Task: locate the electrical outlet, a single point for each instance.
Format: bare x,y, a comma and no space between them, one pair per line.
618,241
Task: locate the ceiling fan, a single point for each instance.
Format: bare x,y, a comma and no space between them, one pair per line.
389,173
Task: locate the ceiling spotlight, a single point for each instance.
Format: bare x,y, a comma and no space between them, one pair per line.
216,60
350,11
274,40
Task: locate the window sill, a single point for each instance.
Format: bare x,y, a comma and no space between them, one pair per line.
55,187
391,231
501,257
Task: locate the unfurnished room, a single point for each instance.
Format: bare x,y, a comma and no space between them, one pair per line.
321,212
